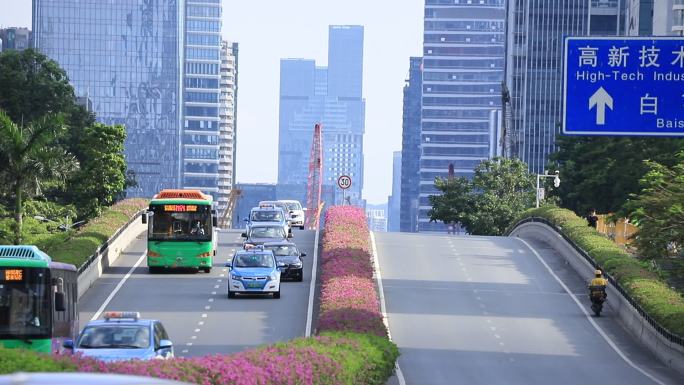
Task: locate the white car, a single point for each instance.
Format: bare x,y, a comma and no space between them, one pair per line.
295,212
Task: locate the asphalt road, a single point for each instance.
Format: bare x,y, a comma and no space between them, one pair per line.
485,310
194,307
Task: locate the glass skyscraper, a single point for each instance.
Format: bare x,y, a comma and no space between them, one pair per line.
534,66
333,96
201,96
126,58
410,147
463,62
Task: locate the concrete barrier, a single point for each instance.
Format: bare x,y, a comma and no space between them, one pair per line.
669,352
108,252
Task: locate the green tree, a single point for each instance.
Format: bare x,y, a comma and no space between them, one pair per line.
32,86
486,205
659,210
602,172
29,160
102,176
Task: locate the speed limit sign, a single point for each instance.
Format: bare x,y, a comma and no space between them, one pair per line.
344,181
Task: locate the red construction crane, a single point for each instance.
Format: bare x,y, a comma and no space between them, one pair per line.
315,181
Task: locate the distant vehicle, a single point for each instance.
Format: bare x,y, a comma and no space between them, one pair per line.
254,271
38,300
123,336
288,254
268,213
180,230
257,234
295,212
82,379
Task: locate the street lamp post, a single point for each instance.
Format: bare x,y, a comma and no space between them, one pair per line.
556,183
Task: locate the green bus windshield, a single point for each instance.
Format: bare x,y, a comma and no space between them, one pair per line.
180,222
25,311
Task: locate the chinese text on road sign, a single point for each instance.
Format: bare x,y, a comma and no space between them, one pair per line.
344,182
624,86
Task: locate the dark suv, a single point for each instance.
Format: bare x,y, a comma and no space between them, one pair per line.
288,254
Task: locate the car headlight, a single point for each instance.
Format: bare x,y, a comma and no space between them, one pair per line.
273,277
296,264
234,276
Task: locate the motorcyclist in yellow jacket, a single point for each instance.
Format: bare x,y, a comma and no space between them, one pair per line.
598,282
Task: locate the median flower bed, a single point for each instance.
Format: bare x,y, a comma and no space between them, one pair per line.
663,304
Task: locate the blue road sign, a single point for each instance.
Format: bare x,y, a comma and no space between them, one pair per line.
623,86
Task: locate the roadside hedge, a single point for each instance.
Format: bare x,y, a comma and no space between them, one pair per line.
75,247
663,304
20,360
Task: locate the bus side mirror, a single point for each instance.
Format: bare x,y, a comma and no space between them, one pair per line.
60,303
143,217
214,221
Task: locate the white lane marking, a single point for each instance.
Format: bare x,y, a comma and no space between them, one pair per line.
497,336
383,308
591,320
193,337
188,344
118,287
312,287
213,293
222,275
217,286
204,315
207,307
184,351
197,330
200,323
211,300
218,280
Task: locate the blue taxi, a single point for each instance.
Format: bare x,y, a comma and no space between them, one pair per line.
254,271
123,336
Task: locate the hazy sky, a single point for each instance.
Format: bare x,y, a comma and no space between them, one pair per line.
270,30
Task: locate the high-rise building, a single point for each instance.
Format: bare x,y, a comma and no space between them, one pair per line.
333,96
202,89
655,17
410,147
463,62
377,221
125,57
534,66
394,201
227,123
15,38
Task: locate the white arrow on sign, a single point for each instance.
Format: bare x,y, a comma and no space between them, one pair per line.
601,99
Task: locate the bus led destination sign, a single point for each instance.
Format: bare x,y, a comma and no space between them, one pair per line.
13,275
180,208
624,86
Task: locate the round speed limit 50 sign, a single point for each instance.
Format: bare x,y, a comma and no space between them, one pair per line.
344,181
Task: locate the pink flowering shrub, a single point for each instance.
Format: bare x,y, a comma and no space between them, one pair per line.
349,300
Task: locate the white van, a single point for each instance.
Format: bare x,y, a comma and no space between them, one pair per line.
296,213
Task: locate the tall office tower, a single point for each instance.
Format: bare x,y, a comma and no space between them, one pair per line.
201,129
410,147
463,62
394,201
15,39
333,96
227,115
534,66
126,58
655,17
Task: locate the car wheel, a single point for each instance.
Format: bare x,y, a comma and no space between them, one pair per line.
231,294
276,295
300,277
301,227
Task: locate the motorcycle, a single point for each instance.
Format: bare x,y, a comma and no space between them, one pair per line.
597,294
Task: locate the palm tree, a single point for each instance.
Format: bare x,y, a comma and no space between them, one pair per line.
29,158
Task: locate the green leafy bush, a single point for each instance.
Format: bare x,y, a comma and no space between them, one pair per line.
662,303
20,360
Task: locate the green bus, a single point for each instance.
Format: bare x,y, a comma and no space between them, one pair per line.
180,231
38,300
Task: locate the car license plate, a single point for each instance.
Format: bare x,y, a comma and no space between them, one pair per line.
254,284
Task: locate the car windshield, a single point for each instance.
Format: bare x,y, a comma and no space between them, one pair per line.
267,232
115,337
24,303
283,250
253,260
267,216
291,206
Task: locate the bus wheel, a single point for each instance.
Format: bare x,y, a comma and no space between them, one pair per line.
154,269
207,269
